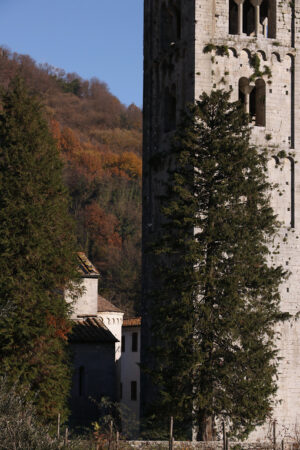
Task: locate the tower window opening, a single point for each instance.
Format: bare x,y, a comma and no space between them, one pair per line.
260,103
242,97
233,17
253,97
268,18
248,18
252,105
170,109
244,90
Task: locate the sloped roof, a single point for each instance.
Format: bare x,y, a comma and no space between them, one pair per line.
86,268
133,322
91,330
105,306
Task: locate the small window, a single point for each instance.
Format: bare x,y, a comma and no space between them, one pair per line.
133,395
134,342
123,344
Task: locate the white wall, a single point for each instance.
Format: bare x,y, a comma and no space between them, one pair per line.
130,371
114,321
87,303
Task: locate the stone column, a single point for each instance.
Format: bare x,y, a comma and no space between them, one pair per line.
256,4
240,15
265,25
246,89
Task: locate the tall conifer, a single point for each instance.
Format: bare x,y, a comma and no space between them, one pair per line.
36,255
217,303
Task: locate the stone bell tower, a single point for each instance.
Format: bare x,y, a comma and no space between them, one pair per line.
251,47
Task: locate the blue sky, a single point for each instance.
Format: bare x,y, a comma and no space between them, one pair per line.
94,38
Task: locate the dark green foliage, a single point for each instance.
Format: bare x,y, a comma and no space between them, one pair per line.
217,299
36,255
73,86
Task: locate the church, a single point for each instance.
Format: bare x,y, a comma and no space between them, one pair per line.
182,59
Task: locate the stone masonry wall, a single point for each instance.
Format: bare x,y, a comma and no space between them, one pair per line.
186,67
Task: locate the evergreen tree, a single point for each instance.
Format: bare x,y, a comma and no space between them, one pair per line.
36,255
217,300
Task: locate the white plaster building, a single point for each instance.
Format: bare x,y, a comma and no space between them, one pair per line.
93,347
112,317
251,47
87,303
130,374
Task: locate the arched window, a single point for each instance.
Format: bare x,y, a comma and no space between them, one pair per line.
268,18
248,18
170,109
252,104
253,97
81,381
244,93
260,103
233,17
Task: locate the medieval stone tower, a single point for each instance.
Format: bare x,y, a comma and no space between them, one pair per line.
251,47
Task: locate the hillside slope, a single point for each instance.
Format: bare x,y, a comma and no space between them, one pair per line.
100,140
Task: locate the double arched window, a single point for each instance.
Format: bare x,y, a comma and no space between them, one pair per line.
253,17
253,97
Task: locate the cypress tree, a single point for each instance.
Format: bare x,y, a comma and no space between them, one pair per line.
217,300
36,255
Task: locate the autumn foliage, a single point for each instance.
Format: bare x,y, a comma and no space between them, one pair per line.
100,142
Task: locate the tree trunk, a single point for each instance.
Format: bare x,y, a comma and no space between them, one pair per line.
206,431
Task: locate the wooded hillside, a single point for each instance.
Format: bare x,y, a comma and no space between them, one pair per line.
100,140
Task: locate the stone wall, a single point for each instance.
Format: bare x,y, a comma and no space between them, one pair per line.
187,65
216,445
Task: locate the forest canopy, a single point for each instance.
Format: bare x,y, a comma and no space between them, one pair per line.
100,142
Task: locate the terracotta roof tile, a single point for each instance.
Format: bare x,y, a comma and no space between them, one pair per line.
133,322
85,266
91,330
105,306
